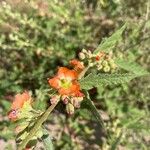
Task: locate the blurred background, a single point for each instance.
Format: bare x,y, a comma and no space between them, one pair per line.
37,36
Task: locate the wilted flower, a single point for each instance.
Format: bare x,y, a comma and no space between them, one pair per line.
17,104
20,99
78,66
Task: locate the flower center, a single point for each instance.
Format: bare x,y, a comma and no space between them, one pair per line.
65,83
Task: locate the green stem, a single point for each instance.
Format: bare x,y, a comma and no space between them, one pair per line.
81,75
36,127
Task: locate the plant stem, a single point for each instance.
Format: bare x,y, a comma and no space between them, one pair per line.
81,75
36,127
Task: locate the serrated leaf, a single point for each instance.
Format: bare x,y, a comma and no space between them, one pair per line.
47,140
110,42
132,67
89,105
96,80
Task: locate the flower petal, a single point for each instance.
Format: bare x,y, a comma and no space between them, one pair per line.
65,73
54,82
61,72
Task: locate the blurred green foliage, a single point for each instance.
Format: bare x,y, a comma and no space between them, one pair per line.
38,36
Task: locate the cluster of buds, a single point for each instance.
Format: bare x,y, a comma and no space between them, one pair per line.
71,102
102,61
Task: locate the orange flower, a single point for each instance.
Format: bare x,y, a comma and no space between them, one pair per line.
20,99
78,66
65,81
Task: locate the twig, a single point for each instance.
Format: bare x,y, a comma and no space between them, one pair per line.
81,75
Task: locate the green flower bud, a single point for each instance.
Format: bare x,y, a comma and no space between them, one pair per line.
91,64
111,61
104,63
81,55
89,54
84,51
99,67
70,109
106,69
113,66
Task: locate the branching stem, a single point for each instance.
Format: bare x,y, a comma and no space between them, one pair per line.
36,127
43,118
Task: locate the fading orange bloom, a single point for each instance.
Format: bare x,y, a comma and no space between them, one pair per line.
65,81
78,66
18,103
20,99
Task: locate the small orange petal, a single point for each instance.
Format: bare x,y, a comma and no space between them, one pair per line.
64,91
72,90
54,82
61,72
71,75
75,87
65,73
79,94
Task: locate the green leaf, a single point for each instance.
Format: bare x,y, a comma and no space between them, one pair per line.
27,112
47,140
110,42
94,110
91,107
96,80
132,67
6,105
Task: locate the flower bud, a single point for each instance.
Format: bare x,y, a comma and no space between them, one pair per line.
112,64
104,63
91,64
76,101
70,109
81,55
84,51
99,67
54,99
89,54
106,69
65,99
